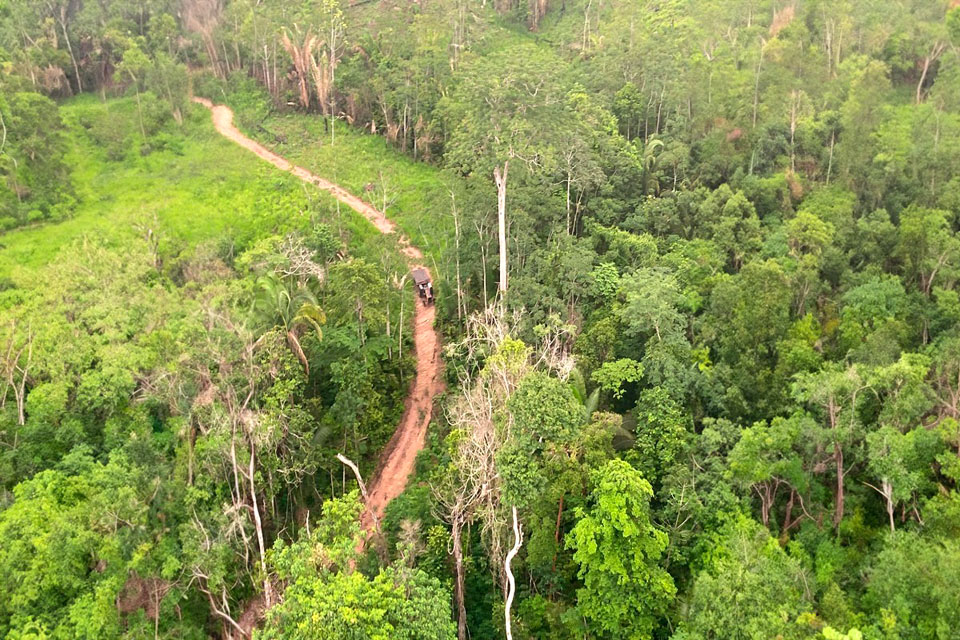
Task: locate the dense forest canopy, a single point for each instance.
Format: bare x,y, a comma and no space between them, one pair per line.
697,266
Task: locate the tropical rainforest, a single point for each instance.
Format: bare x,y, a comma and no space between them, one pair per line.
697,273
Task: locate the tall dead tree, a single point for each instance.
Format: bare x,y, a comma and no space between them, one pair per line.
334,29
320,70
17,359
537,9
456,235
59,13
315,56
500,177
232,367
471,490
202,17
756,81
936,50
301,54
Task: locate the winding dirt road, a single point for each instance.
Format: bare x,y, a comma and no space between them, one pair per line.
397,460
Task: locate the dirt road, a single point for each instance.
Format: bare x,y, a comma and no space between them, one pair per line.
397,460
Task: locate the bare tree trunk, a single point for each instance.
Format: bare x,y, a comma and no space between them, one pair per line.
538,8
766,500
794,108
828,42
788,514
190,445
236,42
458,572
556,531
659,109
888,495
456,236
756,84
935,52
61,18
333,43
511,581
267,595
224,614
236,490
833,141
501,179
226,57
838,509
483,262
136,86
923,77
586,28
13,366
363,488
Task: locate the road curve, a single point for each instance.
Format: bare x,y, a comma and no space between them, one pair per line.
398,457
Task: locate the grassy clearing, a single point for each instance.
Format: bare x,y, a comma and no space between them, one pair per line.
193,186
417,193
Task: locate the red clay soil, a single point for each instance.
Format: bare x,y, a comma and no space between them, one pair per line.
397,460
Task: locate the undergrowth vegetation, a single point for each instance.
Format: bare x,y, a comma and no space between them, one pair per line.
198,317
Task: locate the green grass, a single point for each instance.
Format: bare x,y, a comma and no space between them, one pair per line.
200,187
420,202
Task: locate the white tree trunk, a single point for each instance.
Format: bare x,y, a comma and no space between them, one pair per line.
363,489
511,581
456,235
62,19
267,595
756,83
501,179
887,490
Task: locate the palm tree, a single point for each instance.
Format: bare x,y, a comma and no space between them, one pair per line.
649,163
289,306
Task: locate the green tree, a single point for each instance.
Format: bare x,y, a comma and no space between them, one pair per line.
913,585
835,393
737,231
72,538
357,290
751,588
36,181
748,316
625,593
505,111
134,66
767,457
291,307
928,247
326,598
612,375
872,328
662,434
900,463
652,312
868,82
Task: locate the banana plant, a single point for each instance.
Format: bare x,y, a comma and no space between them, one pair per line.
281,303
